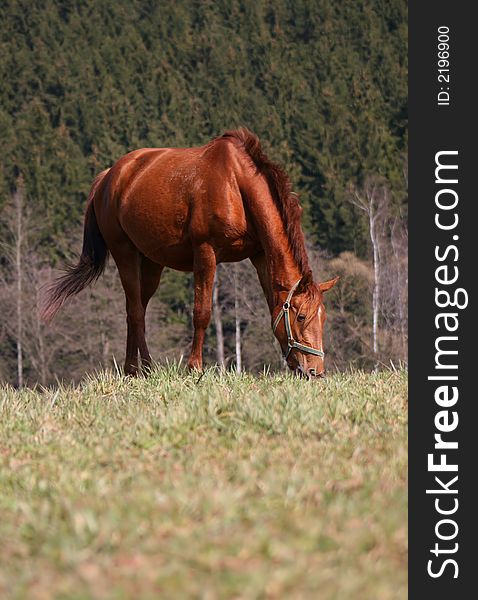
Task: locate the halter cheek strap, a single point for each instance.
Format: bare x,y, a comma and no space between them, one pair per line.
291,342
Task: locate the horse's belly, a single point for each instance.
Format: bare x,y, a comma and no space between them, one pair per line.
159,231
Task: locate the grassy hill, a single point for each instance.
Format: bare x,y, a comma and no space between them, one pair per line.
223,487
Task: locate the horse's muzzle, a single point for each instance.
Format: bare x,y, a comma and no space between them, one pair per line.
309,373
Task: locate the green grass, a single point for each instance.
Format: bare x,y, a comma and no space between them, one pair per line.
227,487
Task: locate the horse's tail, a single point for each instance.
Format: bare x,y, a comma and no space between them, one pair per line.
90,265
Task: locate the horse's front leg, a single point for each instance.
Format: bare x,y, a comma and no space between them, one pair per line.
204,270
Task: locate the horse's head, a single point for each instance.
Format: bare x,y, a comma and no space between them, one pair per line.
298,324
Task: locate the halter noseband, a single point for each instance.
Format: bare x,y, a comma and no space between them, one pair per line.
291,343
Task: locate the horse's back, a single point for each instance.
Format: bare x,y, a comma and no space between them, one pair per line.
167,200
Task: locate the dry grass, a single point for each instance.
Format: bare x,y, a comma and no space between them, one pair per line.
230,487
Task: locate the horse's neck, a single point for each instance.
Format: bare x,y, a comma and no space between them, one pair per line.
279,270
276,267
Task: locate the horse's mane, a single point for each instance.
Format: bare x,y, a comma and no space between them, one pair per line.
279,184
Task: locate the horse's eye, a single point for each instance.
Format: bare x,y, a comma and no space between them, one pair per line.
301,318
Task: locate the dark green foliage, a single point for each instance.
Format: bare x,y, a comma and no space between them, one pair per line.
322,83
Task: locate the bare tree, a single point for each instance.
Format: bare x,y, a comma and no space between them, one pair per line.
396,289
16,220
237,319
388,236
217,316
248,336
373,200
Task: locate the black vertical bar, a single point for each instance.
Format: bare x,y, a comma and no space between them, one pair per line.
435,128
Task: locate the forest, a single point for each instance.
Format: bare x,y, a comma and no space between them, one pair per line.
324,86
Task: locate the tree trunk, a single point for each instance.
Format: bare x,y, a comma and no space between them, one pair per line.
238,324
18,274
376,280
41,344
217,315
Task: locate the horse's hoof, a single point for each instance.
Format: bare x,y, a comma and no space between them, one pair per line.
131,372
195,367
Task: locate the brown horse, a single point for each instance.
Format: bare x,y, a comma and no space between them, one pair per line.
190,209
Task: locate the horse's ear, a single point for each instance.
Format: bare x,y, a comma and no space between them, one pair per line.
328,285
306,280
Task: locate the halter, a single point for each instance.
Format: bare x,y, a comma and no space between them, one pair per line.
291,343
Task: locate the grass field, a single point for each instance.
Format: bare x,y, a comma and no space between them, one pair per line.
227,487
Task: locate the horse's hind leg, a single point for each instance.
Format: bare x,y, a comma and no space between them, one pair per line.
127,259
150,278
204,270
